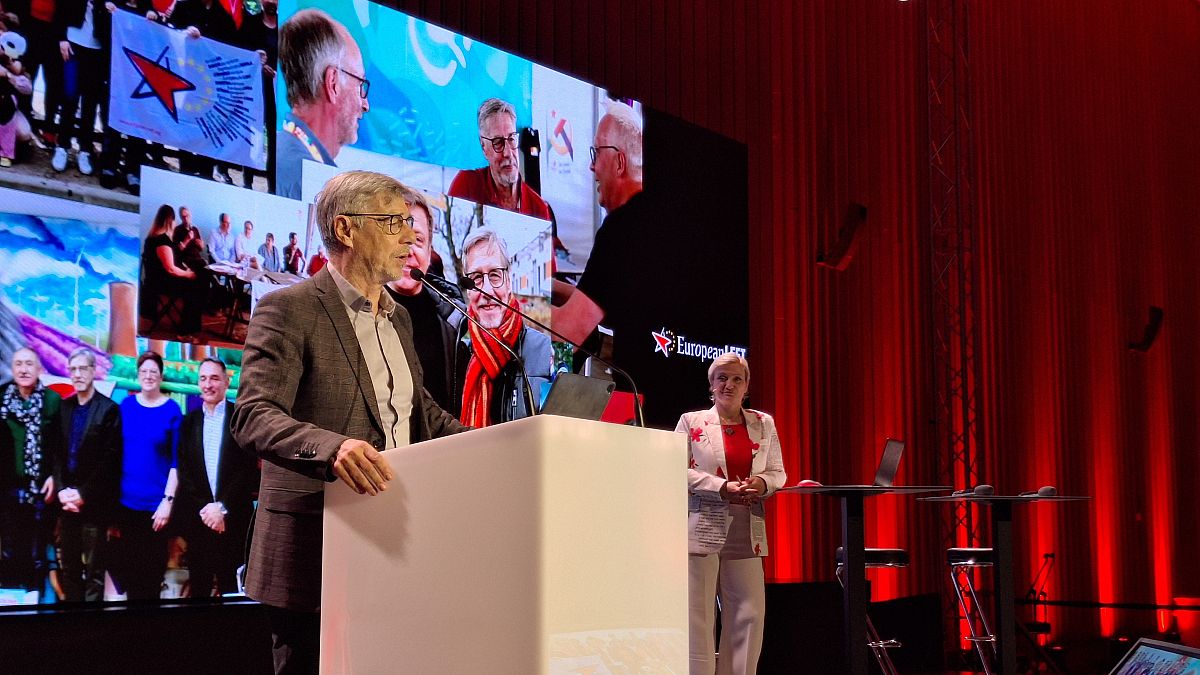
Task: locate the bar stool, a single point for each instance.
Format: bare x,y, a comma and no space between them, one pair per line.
876,558
962,561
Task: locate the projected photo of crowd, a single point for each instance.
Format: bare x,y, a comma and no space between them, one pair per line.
130,84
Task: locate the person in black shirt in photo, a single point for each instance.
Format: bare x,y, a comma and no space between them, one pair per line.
89,478
435,321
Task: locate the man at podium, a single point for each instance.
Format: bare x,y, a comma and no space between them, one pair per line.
330,377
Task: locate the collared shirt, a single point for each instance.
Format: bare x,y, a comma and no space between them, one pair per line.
478,186
243,247
214,432
222,245
384,354
269,257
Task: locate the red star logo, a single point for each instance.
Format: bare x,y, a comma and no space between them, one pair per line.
661,343
158,81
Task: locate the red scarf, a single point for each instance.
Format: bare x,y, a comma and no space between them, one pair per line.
488,358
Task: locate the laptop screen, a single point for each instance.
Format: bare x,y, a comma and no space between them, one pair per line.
889,463
578,396
1151,657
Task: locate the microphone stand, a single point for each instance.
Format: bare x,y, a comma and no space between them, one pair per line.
639,416
424,279
1035,595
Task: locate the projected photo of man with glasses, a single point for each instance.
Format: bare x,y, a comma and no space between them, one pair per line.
499,183
494,384
327,90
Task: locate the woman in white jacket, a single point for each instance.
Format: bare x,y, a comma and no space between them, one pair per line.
734,463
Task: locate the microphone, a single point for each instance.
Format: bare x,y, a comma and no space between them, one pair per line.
1044,491
427,280
639,416
442,283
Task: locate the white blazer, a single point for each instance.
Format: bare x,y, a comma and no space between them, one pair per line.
707,473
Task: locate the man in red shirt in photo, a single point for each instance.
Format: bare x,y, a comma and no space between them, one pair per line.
499,183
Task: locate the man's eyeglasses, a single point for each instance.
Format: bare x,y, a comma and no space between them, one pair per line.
495,277
594,148
79,369
499,142
391,223
364,85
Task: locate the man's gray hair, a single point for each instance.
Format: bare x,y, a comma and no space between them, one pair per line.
352,192
83,353
625,132
309,43
36,356
485,237
495,106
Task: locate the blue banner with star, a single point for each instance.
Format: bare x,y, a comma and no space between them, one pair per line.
194,94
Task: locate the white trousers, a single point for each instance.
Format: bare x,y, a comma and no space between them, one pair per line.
739,584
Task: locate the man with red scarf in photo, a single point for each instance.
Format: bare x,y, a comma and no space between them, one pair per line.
494,388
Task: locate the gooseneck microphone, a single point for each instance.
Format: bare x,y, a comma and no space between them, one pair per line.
427,280
639,417
448,287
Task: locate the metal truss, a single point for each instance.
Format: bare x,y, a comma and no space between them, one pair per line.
952,242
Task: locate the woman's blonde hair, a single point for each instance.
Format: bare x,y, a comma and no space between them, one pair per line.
729,358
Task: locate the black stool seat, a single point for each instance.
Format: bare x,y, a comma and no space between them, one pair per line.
879,557
974,557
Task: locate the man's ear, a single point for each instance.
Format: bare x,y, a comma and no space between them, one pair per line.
343,230
331,82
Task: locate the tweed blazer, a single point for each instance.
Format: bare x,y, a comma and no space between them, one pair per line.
707,472
305,389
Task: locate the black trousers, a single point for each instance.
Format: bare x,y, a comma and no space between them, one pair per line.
295,641
82,80
42,55
80,556
138,555
213,558
25,533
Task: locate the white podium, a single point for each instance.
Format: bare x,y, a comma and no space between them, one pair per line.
544,545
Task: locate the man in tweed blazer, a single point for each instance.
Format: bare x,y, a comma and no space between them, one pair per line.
330,377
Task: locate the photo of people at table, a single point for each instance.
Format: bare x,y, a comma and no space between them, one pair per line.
209,251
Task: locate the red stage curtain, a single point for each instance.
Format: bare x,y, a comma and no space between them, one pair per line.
1087,195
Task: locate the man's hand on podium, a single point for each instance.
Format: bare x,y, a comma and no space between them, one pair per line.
361,467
